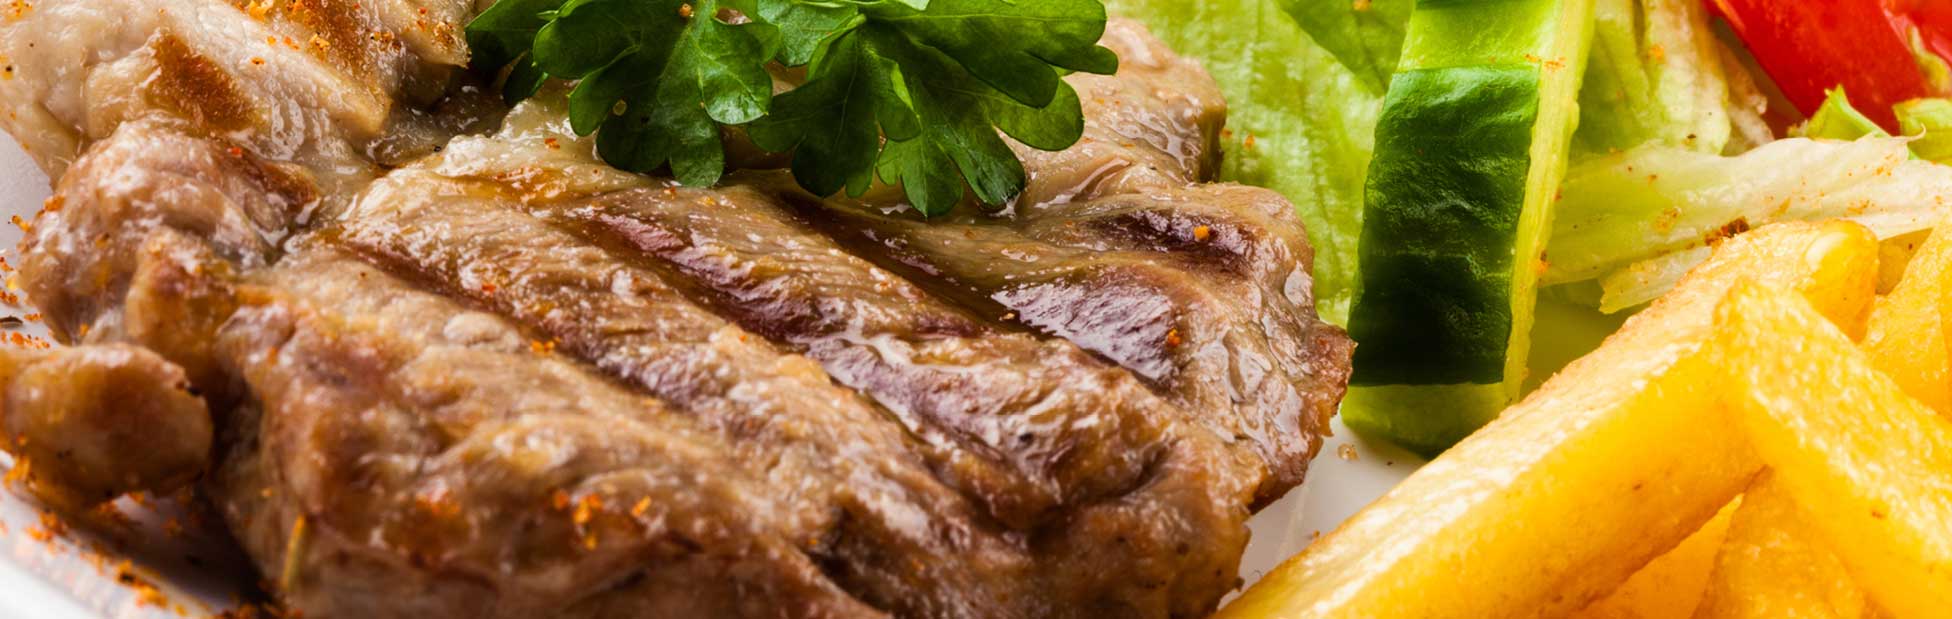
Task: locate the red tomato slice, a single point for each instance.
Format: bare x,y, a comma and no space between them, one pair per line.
1932,18
1811,46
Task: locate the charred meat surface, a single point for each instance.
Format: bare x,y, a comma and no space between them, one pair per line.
1201,290
319,83
507,380
102,421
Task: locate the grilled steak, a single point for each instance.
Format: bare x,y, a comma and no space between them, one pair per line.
506,380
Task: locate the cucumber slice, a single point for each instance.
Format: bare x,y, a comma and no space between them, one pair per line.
1470,149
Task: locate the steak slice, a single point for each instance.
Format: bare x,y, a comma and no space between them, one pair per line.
1202,290
1043,439
78,261
510,381
1155,124
322,83
1193,289
103,421
442,468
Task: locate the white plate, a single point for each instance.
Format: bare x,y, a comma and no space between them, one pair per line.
59,579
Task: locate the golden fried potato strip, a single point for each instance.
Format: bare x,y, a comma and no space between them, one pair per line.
1611,463
1870,465
1907,337
1774,565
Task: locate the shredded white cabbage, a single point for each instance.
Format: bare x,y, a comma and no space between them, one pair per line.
1642,282
1637,220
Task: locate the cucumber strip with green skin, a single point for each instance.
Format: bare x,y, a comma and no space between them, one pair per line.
1445,193
1470,149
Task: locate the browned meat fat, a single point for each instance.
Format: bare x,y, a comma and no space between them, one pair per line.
507,380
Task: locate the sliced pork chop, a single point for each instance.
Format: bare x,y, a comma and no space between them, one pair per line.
1030,441
1203,290
510,381
102,421
314,82
425,461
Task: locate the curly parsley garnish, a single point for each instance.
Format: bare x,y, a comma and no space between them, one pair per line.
912,91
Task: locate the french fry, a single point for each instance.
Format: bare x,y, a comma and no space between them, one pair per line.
1774,566
1907,338
1611,463
1870,465
1671,585
1894,257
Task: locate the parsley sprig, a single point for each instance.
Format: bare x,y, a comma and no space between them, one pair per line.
911,91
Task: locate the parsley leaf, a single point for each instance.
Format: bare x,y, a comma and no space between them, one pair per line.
502,36
803,25
895,65
835,122
1009,44
678,70
957,133
912,92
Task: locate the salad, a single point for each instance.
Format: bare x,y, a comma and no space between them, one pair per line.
1460,164
1724,210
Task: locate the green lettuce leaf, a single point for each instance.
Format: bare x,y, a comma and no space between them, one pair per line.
1839,120
1658,74
1299,122
1929,123
1365,35
1926,122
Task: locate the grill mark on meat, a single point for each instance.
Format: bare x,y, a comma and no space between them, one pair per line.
1108,508
284,336
894,254
488,418
1112,313
343,39
1201,290
917,356
629,323
743,288
1237,350
385,48
1050,288
305,81
1195,238
196,88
